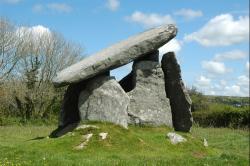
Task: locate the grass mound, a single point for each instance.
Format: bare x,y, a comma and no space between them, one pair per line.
28,145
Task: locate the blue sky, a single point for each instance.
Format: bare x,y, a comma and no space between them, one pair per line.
212,44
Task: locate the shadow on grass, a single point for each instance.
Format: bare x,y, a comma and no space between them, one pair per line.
37,138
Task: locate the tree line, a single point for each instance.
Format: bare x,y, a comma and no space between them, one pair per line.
29,60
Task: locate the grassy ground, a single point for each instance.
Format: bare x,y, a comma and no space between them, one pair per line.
28,145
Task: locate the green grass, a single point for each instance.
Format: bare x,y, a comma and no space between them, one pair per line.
25,145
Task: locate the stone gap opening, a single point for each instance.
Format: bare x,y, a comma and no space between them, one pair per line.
124,75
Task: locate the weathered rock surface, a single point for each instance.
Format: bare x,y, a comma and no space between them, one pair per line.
103,99
127,82
177,94
175,138
82,127
103,135
205,143
151,56
69,115
85,142
148,102
116,55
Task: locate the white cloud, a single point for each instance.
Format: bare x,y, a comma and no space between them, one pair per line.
243,80
214,67
203,81
34,32
151,19
204,85
240,86
233,90
247,66
172,46
13,2
37,8
230,55
38,36
222,30
223,82
113,5
211,92
60,7
39,29
189,14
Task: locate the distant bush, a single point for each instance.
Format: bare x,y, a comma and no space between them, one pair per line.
223,116
19,121
199,101
219,111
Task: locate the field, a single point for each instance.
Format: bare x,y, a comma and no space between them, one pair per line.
29,145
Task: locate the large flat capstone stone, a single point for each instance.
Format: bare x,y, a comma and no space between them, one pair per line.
116,55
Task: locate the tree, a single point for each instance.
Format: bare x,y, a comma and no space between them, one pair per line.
9,47
37,55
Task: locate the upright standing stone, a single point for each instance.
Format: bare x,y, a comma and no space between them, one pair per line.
127,82
116,55
148,102
176,92
69,117
103,99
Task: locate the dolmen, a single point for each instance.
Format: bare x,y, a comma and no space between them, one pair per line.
152,93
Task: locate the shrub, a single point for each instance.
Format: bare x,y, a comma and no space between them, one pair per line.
223,117
199,101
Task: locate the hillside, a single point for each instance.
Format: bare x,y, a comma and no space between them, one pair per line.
229,100
28,145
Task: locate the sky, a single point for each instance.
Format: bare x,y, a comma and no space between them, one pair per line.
212,44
